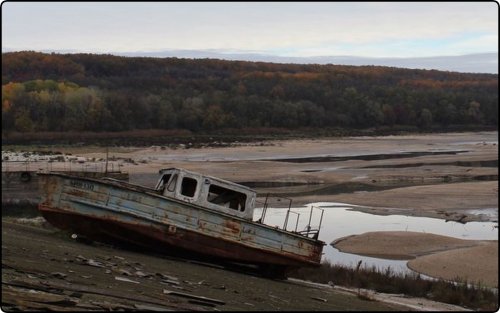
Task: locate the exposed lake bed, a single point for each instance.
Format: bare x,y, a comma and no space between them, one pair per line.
450,177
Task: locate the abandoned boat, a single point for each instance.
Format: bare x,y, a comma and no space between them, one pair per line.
186,210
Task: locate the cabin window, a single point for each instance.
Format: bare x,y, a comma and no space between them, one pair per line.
166,178
188,187
227,197
164,181
171,185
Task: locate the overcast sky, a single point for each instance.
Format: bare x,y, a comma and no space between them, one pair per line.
370,29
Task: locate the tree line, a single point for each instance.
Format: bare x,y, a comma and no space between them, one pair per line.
90,92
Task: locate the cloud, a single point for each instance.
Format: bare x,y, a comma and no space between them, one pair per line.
324,28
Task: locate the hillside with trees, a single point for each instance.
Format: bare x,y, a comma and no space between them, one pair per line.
104,93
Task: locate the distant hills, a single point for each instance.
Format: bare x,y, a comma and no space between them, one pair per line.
469,63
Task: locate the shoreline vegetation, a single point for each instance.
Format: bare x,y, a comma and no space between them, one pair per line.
459,292
222,138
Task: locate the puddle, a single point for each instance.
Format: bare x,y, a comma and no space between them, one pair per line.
273,184
491,142
366,157
488,163
339,220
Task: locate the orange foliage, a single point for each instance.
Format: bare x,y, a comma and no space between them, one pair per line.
431,83
6,105
281,75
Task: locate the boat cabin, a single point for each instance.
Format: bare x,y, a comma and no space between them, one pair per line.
210,192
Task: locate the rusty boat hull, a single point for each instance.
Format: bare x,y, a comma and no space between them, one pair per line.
112,211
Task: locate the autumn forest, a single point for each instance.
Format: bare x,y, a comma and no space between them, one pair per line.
104,93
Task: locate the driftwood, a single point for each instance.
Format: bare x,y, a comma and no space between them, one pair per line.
49,286
29,299
190,296
126,280
209,304
319,299
144,307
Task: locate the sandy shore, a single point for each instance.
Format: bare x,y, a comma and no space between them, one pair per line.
452,176
478,265
474,261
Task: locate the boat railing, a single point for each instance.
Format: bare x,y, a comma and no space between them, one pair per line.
308,231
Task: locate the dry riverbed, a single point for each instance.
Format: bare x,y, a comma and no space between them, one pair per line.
452,176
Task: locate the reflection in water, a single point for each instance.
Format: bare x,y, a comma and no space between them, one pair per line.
339,220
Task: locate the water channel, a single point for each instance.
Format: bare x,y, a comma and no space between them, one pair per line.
340,220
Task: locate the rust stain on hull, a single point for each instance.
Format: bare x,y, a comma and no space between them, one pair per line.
164,238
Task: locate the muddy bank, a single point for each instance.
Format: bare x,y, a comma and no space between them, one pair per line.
44,269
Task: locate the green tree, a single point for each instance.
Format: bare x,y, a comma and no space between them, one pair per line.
474,113
425,118
373,115
192,113
165,116
389,115
216,118
23,122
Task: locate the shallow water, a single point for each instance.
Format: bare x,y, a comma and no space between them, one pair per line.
365,157
339,220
